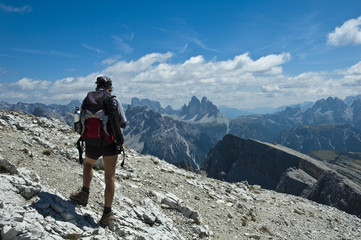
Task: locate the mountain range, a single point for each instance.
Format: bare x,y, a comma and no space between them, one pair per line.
193,129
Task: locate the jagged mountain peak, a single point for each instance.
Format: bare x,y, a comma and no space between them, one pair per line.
330,104
199,109
328,110
155,105
153,199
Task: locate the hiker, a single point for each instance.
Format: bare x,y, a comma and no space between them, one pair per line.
96,146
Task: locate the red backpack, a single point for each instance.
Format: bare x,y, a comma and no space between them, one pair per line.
95,120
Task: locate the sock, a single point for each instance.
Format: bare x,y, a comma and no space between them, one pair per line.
85,189
107,210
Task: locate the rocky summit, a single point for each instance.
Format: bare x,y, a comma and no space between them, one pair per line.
154,199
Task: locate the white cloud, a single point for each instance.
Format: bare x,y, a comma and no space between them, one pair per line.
355,69
74,85
348,33
11,9
240,82
174,84
352,76
133,67
30,84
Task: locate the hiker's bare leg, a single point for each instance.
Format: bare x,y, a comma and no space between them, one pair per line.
88,171
110,163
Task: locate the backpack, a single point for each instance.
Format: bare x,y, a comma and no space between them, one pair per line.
95,120
100,122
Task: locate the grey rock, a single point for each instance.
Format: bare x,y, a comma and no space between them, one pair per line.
295,181
9,232
29,192
173,202
7,166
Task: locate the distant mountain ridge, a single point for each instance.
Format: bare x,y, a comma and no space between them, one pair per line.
330,136
207,121
197,111
154,105
61,112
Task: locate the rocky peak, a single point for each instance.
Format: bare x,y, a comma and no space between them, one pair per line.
325,111
154,105
199,109
350,99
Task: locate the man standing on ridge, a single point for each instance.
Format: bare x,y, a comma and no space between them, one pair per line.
99,142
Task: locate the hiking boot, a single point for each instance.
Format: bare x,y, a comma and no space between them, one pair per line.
81,197
106,218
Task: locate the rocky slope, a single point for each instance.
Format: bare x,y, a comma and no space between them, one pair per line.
282,169
154,200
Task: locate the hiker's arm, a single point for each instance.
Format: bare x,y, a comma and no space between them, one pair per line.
123,119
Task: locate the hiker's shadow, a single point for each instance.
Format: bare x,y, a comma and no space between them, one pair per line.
62,210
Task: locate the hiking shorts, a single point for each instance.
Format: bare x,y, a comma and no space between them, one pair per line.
95,152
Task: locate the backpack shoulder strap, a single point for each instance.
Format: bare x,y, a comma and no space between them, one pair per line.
79,146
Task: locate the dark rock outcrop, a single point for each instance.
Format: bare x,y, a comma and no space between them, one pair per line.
282,169
334,190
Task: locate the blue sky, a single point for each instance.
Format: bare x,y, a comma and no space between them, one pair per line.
241,54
